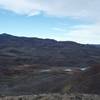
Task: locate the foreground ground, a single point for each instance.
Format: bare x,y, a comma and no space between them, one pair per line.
53,97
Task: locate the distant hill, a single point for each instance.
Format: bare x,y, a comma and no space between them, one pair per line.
23,50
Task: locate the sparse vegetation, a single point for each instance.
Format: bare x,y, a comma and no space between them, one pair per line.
53,97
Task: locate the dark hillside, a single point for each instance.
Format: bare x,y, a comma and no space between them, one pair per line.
22,50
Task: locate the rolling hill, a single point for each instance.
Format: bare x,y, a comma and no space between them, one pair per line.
22,50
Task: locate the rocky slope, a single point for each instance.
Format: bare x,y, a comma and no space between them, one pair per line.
88,81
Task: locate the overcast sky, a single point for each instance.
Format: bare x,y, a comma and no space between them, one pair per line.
68,20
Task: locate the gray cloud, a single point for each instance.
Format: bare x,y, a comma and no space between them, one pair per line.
72,8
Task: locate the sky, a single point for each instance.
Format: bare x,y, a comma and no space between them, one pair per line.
63,20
